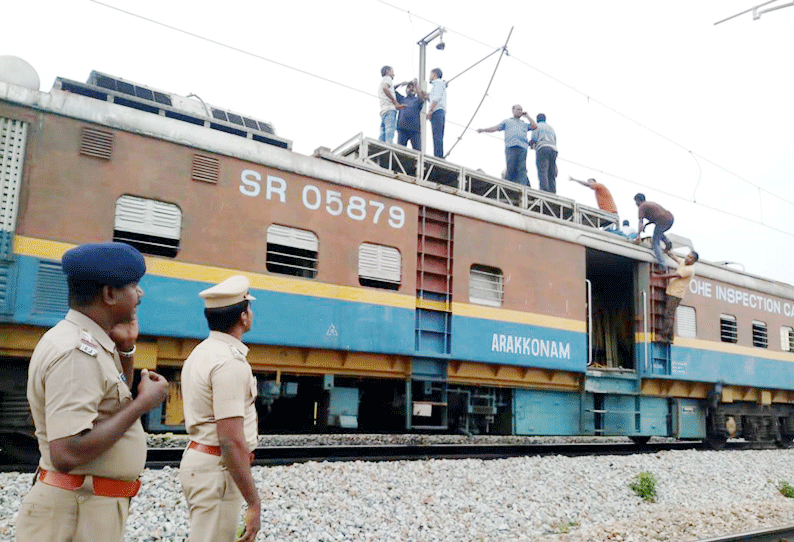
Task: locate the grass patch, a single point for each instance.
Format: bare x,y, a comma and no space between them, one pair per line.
786,489
644,485
565,527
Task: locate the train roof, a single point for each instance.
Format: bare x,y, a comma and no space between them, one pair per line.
411,176
110,88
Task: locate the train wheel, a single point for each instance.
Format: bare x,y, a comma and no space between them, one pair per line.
640,441
717,442
785,439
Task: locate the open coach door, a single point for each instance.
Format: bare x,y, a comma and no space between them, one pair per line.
611,403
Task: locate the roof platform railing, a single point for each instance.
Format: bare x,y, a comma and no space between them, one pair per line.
549,204
596,218
496,190
418,168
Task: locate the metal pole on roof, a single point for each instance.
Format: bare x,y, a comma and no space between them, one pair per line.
437,33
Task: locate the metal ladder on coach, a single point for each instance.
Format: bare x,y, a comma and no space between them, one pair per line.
660,347
427,389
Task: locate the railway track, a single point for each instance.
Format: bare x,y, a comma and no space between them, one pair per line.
287,455
158,458
780,534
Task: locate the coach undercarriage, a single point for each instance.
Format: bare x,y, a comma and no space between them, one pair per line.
752,422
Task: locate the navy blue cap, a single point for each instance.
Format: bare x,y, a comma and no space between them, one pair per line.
115,264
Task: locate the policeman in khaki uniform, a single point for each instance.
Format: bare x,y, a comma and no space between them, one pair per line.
87,424
218,393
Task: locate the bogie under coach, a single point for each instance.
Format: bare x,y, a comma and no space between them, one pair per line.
395,291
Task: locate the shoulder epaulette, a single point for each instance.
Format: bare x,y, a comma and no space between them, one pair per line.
236,352
87,344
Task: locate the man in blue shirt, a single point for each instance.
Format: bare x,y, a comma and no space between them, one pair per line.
409,119
544,141
437,112
516,144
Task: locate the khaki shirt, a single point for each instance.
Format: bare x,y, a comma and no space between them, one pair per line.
74,382
678,285
217,383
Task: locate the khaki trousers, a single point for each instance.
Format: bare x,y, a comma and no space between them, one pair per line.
52,514
213,499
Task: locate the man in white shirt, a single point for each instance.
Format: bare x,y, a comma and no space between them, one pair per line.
437,112
388,105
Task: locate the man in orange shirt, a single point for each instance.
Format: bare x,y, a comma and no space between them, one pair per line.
602,194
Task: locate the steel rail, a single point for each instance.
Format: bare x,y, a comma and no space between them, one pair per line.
778,534
289,455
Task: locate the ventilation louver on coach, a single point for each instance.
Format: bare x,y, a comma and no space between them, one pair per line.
153,227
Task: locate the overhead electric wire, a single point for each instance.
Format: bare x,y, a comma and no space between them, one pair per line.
343,85
230,47
410,13
486,57
604,105
678,197
743,12
485,94
700,176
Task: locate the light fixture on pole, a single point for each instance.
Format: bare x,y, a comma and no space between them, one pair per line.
437,33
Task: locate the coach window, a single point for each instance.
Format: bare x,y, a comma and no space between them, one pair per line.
728,331
759,334
291,251
685,322
153,227
486,285
787,339
379,266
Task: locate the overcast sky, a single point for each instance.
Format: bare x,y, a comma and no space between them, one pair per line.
645,97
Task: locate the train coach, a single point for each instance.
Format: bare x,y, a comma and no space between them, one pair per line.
395,291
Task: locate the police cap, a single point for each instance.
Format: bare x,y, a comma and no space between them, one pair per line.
229,292
114,264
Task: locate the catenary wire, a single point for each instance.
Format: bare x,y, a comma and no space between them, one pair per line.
343,85
678,197
605,106
230,47
485,94
486,57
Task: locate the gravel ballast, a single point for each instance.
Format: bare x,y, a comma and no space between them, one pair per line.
556,498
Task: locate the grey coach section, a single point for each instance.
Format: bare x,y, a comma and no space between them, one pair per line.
422,169
134,96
